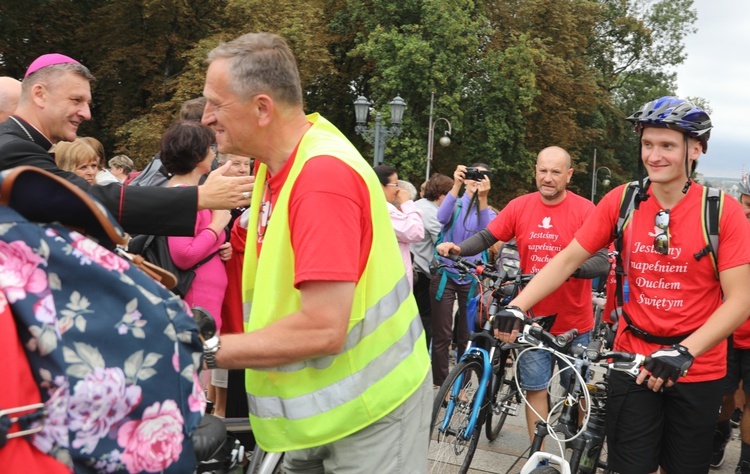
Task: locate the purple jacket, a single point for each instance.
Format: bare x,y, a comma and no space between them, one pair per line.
461,230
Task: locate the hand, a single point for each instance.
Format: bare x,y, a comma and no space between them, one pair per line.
225,251
402,196
225,192
484,187
447,248
666,366
508,322
458,176
220,219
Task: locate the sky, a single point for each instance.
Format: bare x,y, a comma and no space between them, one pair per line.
718,69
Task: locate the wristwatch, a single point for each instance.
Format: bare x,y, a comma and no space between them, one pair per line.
210,348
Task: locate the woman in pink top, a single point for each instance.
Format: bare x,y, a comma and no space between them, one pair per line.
405,217
187,153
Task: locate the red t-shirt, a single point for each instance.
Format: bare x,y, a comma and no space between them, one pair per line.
20,390
741,336
542,231
673,294
231,309
329,219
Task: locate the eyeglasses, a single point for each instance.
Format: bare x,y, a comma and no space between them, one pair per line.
395,185
661,241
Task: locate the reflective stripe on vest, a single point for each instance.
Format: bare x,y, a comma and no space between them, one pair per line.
384,361
341,392
374,317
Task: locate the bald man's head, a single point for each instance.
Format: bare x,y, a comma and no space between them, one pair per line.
10,91
553,173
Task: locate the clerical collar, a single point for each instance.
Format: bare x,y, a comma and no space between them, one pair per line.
26,131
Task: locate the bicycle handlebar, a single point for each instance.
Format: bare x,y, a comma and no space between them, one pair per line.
486,270
615,360
535,335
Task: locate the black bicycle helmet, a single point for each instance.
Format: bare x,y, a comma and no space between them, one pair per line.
676,114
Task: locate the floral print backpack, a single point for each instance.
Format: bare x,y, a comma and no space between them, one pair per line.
114,353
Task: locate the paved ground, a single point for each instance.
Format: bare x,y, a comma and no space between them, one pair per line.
508,453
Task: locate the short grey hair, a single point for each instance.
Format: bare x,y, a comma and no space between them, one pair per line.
261,63
409,188
222,158
51,74
121,161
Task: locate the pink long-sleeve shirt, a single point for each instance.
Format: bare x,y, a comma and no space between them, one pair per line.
409,228
210,281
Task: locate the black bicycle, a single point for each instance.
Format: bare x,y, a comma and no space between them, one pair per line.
586,441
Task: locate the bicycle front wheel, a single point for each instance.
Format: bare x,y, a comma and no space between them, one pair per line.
452,446
503,398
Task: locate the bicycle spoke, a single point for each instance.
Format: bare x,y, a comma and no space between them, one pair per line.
503,400
452,446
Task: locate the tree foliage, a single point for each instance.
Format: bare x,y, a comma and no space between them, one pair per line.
511,76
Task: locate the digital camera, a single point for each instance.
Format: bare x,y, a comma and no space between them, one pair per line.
477,174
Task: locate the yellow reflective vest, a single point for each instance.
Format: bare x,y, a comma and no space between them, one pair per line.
384,359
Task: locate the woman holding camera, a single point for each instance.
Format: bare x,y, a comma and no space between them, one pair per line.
461,218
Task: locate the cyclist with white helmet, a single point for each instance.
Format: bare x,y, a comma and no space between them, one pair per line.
673,307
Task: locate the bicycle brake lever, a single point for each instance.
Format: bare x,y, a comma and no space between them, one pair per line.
633,368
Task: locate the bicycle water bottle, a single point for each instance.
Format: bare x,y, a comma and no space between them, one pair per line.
626,291
594,436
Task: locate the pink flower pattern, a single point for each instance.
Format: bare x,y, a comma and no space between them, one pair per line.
99,402
197,399
44,310
19,271
154,442
108,408
98,254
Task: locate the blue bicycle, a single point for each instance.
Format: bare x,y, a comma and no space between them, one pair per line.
473,394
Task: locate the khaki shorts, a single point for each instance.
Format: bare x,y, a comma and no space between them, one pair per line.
397,443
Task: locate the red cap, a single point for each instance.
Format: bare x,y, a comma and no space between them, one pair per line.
48,60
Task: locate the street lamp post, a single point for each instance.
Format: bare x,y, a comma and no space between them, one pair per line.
595,177
444,140
379,134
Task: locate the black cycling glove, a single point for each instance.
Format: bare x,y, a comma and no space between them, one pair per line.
508,319
669,363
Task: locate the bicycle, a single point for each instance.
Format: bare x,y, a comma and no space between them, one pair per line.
477,389
505,394
587,440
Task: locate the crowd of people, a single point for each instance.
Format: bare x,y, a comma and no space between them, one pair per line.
336,318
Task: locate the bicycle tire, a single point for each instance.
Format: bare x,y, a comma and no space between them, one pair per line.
448,448
503,394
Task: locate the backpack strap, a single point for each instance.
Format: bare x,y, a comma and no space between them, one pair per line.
712,204
447,227
627,205
440,239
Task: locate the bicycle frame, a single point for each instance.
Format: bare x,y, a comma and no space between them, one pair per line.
486,360
567,423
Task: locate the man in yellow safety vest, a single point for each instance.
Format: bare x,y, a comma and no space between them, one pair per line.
338,372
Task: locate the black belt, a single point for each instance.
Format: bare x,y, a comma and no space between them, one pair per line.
641,334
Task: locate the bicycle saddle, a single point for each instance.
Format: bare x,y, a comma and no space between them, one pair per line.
209,437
